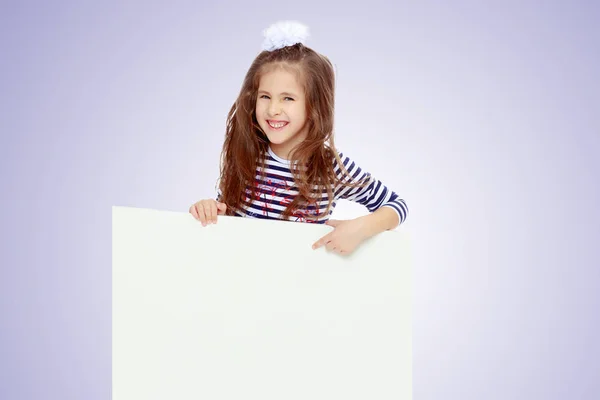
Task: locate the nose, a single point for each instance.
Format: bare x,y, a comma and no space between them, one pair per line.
274,108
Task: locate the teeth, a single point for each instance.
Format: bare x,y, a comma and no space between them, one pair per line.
277,125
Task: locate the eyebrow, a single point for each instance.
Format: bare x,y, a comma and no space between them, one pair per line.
283,94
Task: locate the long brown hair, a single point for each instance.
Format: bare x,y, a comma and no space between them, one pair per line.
246,144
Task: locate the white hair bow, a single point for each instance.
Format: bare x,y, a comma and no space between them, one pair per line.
284,33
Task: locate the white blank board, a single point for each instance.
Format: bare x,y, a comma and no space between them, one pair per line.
245,309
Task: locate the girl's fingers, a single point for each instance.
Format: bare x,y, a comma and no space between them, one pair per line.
201,213
211,213
222,208
206,211
193,211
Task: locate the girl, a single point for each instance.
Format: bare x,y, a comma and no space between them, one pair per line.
279,160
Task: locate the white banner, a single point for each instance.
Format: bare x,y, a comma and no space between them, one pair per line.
245,309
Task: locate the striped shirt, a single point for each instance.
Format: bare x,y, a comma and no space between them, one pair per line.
276,190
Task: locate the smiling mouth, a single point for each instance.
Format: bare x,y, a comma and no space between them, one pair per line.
277,124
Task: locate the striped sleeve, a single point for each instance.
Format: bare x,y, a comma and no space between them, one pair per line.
373,195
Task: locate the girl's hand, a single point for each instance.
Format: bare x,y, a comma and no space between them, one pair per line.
206,211
346,236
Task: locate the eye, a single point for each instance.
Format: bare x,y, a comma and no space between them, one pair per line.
288,98
264,96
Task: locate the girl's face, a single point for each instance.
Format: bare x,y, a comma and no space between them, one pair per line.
281,110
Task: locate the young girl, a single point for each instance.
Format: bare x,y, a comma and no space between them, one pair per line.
279,160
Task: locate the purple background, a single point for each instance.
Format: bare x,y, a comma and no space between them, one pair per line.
484,116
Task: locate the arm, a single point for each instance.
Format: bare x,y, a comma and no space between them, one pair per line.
387,212
383,219
376,197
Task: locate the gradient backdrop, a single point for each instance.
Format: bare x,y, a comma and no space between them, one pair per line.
483,115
